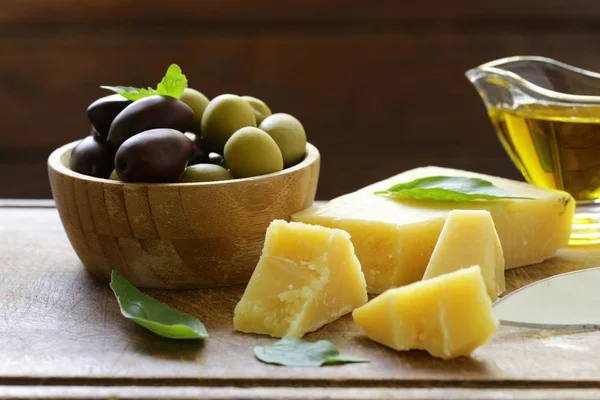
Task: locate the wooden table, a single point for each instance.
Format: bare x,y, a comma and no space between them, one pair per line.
61,335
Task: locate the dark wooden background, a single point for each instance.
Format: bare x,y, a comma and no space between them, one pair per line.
379,85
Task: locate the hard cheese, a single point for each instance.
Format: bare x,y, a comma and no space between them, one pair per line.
469,238
448,316
394,238
306,277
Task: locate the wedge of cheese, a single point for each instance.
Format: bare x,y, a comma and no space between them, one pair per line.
307,276
394,238
448,316
469,238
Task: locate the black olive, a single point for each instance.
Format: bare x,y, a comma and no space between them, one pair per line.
103,111
199,154
154,156
150,113
93,157
216,158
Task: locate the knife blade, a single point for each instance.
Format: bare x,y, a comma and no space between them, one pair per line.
569,301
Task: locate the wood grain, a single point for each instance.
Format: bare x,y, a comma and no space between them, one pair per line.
403,103
287,393
236,11
174,236
379,86
61,327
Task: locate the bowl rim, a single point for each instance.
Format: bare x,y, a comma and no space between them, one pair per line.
54,162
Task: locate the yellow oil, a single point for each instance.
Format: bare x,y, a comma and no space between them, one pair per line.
554,147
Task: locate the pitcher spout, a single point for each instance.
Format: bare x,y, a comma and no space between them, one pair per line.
516,82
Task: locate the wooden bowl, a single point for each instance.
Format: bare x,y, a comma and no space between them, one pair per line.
179,235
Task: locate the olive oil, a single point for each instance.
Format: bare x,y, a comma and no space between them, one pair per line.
554,147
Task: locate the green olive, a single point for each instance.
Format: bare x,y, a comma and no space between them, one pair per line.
252,152
261,110
114,176
289,135
197,102
204,173
224,115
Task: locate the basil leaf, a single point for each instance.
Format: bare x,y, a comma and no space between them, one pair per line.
344,360
172,84
449,188
299,353
131,93
152,314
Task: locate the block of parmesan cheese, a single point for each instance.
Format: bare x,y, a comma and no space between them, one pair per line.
307,276
448,316
394,238
469,238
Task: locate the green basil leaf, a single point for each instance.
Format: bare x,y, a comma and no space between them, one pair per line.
131,93
152,314
299,353
344,360
172,84
449,188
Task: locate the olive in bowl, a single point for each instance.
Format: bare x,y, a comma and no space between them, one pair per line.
102,112
148,113
224,115
261,110
216,158
154,156
251,152
204,173
199,154
289,135
198,103
93,157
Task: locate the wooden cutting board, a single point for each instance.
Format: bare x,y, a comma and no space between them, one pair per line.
61,334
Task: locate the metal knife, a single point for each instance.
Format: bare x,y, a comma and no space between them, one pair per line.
568,301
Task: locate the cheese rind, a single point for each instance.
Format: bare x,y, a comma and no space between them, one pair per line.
307,276
394,238
448,316
469,238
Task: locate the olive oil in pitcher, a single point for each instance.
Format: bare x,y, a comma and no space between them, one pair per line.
554,147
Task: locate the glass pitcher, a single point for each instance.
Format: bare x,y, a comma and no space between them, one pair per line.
547,116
